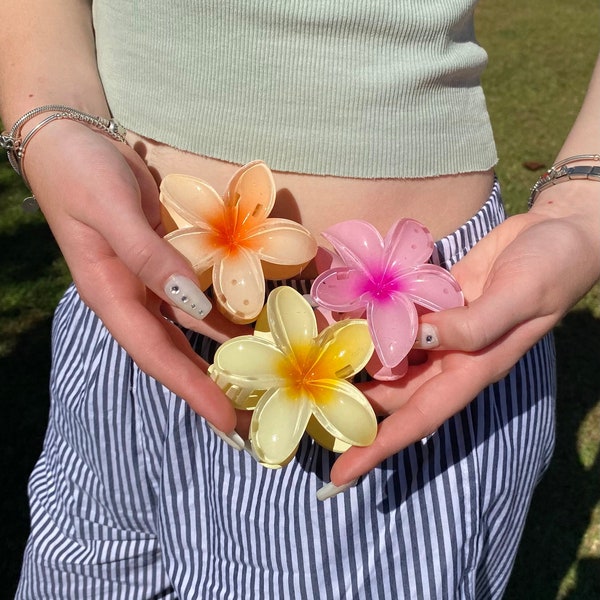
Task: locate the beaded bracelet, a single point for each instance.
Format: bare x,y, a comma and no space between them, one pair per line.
15,145
560,172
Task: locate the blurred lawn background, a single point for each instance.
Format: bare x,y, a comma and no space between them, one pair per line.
541,56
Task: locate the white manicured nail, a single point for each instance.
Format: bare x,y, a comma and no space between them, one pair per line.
330,490
250,450
233,439
427,337
187,296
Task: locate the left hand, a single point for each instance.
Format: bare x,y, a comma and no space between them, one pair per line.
518,283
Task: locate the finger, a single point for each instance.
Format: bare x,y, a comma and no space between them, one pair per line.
157,346
460,378
502,306
157,264
215,325
387,396
436,401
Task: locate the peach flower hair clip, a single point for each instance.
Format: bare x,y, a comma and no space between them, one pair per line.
231,241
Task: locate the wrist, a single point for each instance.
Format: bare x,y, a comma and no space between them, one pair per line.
16,140
577,205
578,167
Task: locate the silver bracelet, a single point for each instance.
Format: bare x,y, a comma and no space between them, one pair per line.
15,145
560,172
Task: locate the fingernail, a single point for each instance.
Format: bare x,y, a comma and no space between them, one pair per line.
427,337
188,296
248,448
233,439
427,438
330,490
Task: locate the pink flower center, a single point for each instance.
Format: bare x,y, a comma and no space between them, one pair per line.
381,285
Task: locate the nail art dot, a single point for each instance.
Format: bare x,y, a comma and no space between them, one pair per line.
428,339
175,289
184,299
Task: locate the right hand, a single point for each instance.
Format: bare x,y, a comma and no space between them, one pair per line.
101,202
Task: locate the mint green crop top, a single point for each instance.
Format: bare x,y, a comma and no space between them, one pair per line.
356,88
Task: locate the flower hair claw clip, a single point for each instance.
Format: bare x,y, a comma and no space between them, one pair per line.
386,278
296,379
231,242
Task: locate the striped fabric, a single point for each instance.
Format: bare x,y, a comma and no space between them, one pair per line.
135,498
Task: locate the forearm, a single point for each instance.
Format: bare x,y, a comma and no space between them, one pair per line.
584,137
579,200
47,56
570,209
577,197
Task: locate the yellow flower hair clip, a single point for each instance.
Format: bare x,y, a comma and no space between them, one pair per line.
295,379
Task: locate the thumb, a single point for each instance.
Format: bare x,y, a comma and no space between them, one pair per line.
479,324
135,240
158,265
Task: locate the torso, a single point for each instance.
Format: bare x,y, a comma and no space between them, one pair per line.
442,203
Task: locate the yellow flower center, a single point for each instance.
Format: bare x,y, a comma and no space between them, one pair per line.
303,368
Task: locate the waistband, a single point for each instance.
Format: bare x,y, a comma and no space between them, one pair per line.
452,248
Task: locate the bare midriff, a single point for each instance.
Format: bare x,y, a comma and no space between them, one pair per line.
441,203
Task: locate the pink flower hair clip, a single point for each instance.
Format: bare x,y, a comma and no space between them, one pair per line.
231,242
386,278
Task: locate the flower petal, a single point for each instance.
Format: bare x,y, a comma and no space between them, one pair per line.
340,289
239,285
358,243
318,433
407,243
252,192
291,320
250,362
283,242
345,348
278,423
190,201
197,245
393,325
432,287
377,371
344,412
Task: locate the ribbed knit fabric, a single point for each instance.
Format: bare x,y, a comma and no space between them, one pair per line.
359,88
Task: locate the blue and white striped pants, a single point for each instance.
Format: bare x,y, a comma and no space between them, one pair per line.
134,497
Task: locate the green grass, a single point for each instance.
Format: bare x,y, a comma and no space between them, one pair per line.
32,278
541,55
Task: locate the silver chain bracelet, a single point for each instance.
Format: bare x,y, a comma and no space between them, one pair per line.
15,145
561,171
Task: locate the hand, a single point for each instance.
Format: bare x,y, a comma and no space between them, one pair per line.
518,282
101,203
